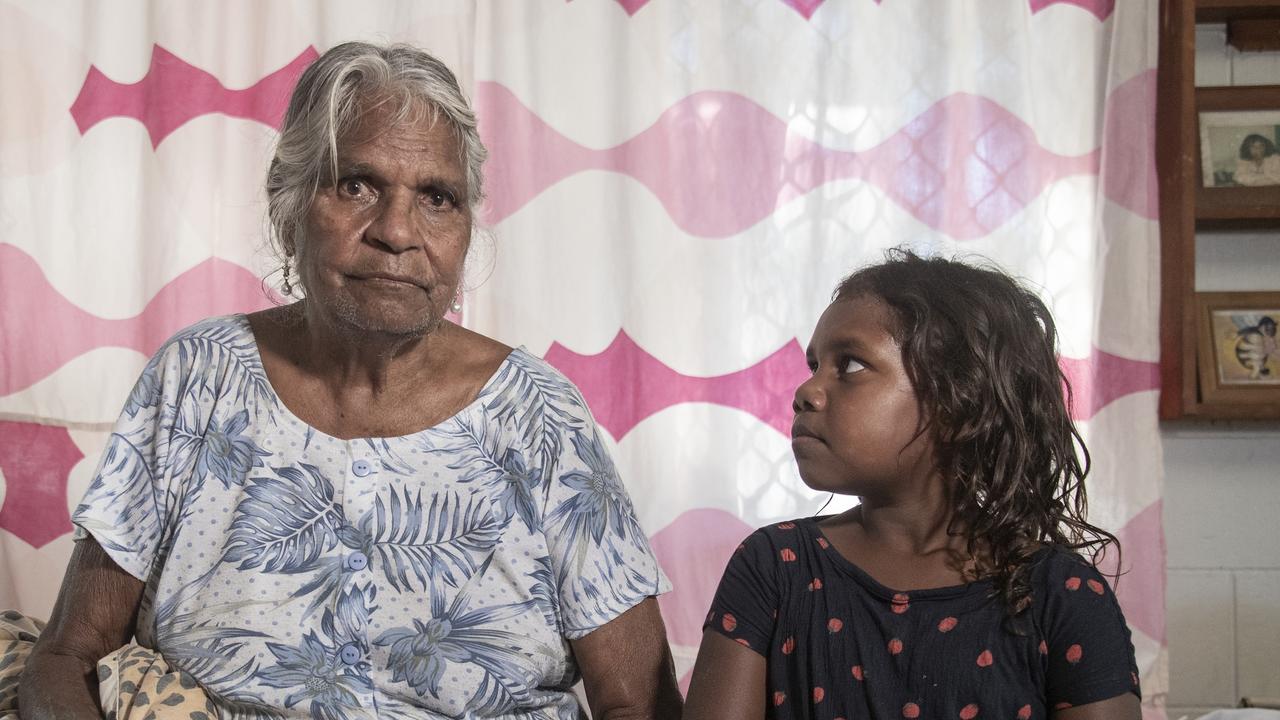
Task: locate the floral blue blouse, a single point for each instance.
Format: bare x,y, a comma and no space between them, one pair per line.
293,574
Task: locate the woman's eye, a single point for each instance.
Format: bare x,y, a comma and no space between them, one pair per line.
352,187
439,199
850,366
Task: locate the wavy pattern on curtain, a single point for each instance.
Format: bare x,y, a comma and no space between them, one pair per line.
674,189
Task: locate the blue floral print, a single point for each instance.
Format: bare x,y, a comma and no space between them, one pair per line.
440,574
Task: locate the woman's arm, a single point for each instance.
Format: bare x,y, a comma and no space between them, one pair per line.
627,669
728,681
95,614
1121,707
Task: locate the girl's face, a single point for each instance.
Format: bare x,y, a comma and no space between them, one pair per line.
857,416
1257,150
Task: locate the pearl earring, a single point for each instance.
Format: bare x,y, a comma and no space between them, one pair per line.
286,287
456,307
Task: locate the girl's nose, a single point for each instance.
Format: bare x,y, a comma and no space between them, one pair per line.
809,396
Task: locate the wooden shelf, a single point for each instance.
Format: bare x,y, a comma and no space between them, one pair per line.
1214,206
1217,11
1186,206
1221,411
1238,98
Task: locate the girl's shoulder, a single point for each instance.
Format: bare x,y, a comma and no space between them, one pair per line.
790,544
1061,576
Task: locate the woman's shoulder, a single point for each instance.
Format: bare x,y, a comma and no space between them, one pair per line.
524,378
223,330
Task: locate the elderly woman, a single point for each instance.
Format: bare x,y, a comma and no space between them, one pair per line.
349,507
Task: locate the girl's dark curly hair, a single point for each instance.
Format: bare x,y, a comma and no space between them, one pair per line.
980,351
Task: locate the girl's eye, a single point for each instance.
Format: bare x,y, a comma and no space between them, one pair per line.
850,366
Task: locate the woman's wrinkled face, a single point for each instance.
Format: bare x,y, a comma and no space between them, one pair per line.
385,240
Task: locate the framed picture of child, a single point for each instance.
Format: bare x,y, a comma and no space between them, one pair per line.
1239,357
1240,149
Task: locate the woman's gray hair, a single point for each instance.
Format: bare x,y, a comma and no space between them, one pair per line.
326,104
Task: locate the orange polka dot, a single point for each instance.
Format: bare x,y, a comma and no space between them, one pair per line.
788,646
822,543
1044,648
1133,676
948,624
895,646
985,659
911,710
815,584
788,555
818,694
1096,587
779,697
857,672
835,625
743,642
900,602
1024,712
729,623
1073,583
1074,654
787,526
969,712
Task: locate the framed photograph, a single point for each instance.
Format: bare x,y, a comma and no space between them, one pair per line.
1240,148
1239,357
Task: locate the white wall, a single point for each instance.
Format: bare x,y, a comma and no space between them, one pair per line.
1222,484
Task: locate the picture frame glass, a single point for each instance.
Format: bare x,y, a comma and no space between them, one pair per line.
1245,346
1240,149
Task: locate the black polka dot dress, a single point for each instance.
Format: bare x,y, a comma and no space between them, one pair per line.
841,645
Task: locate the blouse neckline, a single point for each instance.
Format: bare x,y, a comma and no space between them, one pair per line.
311,431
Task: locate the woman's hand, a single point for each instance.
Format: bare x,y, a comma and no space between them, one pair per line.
627,669
728,681
96,612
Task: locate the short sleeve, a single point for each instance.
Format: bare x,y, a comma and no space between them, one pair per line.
601,556
1089,651
745,605
124,508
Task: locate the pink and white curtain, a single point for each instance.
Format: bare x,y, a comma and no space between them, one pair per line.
675,186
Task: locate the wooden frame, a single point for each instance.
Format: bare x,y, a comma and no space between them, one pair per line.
1215,205
1238,358
1187,207
1224,138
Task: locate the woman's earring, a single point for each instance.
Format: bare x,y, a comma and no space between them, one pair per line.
456,307
286,287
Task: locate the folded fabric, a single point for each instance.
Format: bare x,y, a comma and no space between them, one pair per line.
134,683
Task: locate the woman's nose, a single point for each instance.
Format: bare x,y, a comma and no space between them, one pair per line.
809,396
396,225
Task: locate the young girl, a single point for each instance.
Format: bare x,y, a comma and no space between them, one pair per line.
953,589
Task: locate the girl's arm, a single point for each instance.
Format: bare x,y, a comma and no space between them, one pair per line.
95,614
627,669
728,681
1121,707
